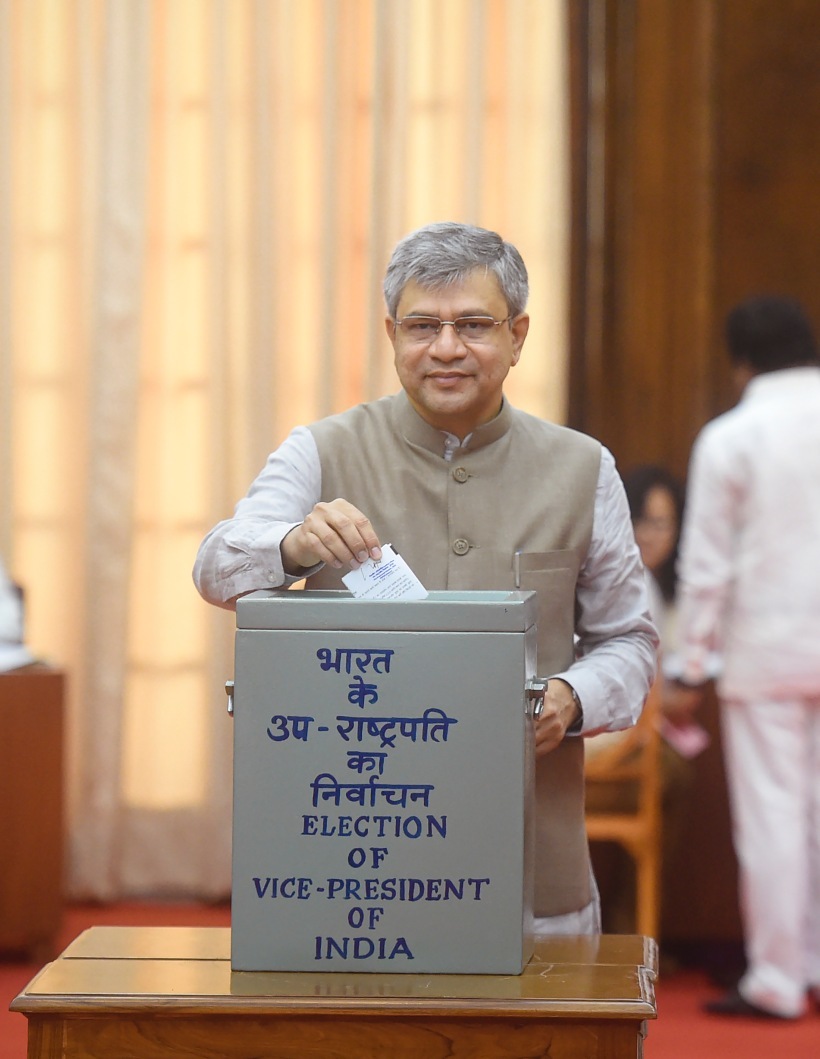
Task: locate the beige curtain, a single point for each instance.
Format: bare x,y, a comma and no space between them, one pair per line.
198,199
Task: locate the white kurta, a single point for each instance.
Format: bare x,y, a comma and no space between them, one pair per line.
750,590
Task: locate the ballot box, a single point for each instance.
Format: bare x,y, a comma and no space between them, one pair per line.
383,772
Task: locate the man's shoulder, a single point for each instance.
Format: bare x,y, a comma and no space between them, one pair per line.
766,397
734,434
734,422
554,433
354,416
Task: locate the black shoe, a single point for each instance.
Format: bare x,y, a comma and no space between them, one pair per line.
736,1006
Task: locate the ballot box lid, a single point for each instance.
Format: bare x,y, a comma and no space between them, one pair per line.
441,611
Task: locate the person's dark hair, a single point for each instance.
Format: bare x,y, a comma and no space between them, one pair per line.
638,483
439,255
770,332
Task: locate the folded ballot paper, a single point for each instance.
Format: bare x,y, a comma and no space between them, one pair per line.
387,578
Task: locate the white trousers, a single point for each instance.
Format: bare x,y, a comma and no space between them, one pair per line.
772,751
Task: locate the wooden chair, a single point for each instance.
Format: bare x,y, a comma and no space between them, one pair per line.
635,759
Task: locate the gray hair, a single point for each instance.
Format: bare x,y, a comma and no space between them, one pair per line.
439,255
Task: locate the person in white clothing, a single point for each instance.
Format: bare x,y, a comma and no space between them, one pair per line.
749,588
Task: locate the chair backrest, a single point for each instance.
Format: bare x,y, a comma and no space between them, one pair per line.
634,759
636,755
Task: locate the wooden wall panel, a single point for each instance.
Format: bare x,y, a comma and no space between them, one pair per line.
640,321
767,147
696,159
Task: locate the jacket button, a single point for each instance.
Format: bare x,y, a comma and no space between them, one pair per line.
460,546
460,474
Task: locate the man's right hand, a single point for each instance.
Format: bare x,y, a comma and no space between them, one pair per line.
680,702
336,533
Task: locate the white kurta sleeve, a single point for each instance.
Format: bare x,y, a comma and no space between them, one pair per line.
242,554
617,642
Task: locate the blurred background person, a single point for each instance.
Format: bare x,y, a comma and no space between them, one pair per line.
750,590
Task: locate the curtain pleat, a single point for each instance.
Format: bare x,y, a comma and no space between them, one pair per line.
115,345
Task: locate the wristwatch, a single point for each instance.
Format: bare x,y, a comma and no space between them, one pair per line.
577,724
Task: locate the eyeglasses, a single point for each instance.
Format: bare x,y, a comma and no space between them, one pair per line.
470,329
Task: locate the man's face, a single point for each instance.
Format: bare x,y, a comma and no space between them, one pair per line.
453,382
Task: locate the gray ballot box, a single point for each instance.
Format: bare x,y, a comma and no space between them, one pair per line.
383,775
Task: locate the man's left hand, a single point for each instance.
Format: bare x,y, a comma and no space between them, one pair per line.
560,710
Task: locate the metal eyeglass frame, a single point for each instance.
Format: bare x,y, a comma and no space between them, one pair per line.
452,323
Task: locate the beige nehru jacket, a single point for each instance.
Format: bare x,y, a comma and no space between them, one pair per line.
520,485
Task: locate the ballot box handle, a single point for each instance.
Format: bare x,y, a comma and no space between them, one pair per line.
535,689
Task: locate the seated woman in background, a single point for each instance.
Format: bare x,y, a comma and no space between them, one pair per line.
656,500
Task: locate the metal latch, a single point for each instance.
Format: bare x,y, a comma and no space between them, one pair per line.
229,693
535,689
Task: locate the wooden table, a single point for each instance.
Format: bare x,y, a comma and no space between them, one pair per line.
152,992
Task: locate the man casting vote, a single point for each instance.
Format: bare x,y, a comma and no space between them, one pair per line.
475,495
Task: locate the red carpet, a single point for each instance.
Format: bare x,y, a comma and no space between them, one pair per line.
681,1031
